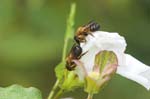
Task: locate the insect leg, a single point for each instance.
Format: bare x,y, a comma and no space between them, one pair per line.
82,54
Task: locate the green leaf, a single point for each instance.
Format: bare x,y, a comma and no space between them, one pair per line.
59,70
19,92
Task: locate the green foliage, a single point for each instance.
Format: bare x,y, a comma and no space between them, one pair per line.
59,70
68,79
70,23
19,92
71,81
69,29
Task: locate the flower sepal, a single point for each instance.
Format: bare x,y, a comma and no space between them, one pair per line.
71,81
68,80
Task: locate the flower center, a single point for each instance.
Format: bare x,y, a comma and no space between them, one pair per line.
94,75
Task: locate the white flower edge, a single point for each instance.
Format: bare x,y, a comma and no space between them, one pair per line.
129,67
135,70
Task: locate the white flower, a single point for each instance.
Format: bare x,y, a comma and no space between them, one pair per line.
128,66
105,66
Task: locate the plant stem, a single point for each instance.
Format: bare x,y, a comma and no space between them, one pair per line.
68,35
69,29
59,93
65,49
90,96
53,90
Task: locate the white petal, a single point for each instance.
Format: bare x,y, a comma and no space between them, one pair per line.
88,58
111,42
129,67
102,41
135,70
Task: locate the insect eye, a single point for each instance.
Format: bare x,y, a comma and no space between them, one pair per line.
85,34
77,39
72,63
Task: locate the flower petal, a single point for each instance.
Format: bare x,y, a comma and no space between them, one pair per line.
135,70
102,41
111,42
129,67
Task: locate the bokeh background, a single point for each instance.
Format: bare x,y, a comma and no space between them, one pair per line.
32,32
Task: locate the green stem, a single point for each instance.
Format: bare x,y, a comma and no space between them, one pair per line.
65,49
69,29
68,35
53,90
59,93
90,96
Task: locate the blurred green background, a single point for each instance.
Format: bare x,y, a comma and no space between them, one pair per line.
32,32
